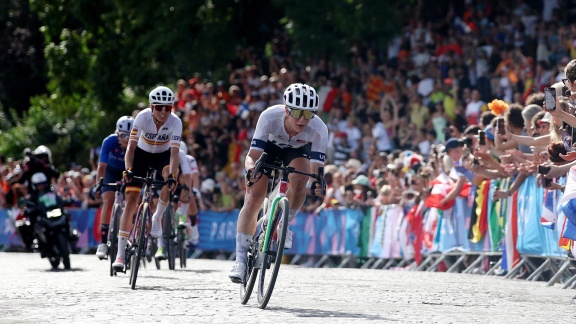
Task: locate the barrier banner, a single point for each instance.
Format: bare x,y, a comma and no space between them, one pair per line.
333,231
533,238
447,237
84,220
217,230
7,228
366,231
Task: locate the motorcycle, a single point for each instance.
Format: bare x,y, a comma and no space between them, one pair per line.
53,235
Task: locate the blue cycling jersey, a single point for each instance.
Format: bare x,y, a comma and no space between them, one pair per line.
112,153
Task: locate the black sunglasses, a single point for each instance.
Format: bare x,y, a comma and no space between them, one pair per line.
162,107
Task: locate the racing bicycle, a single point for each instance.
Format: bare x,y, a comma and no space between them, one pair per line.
138,239
267,245
117,209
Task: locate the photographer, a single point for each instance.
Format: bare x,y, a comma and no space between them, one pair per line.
40,160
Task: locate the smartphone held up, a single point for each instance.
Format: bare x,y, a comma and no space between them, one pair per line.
550,98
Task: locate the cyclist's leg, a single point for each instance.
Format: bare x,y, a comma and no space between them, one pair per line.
247,222
296,194
111,175
299,159
162,165
107,202
132,195
105,213
192,212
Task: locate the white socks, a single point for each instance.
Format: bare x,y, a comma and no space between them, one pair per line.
242,245
122,240
160,209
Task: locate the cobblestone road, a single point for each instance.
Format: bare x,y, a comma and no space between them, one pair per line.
202,293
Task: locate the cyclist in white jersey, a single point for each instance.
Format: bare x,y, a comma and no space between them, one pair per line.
192,209
154,142
188,171
293,134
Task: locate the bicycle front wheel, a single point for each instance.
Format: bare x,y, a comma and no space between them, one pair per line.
113,236
140,247
182,247
247,285
169,237
273,256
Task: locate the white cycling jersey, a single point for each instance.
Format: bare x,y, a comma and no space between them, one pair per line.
270,128
152,140
188,163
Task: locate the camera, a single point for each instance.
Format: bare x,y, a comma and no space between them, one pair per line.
543,170
481,137
501,125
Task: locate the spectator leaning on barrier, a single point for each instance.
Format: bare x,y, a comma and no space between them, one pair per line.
453,150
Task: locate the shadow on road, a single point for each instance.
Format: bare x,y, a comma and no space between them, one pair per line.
307,312
196,271
164,288
59,270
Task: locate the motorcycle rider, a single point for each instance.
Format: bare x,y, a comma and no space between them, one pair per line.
39,160
43,198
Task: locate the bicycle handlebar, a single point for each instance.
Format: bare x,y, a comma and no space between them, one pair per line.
319,177
149,181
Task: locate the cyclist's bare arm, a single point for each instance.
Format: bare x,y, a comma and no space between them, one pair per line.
129,157
251,158
195,180
174,160
101,170
187,181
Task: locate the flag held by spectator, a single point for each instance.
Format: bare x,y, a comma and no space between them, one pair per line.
568,201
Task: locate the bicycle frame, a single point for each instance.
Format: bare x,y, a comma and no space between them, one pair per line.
119,200
149,182
282,189
145,200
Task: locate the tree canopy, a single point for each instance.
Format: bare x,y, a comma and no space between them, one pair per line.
72,67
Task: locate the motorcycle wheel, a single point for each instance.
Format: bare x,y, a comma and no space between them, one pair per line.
63,248
54,262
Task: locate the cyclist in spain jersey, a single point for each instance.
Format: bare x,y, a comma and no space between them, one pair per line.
110,168
292,134
154,142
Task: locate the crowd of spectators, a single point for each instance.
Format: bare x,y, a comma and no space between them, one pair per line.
389,112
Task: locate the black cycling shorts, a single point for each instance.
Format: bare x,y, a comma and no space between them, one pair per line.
111,175
144,160
284,156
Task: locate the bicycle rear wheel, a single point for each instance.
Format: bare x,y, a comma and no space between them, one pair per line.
140,247
251,274
169,237
182,247
272,259
113,236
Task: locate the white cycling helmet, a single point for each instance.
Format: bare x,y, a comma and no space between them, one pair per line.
161,96
301,96
39,177
124,124
183,147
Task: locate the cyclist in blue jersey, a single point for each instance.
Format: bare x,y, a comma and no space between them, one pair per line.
110,167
